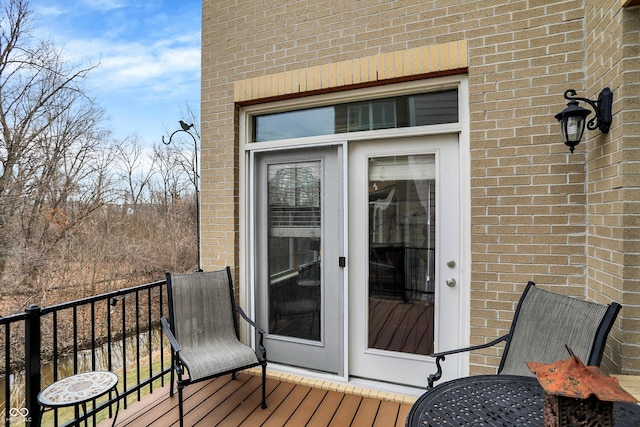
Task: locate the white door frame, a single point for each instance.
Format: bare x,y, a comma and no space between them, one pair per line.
462,128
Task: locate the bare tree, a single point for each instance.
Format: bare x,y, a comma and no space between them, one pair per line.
53,161
135,169
172,183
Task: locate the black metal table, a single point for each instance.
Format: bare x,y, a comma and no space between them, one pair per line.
493,400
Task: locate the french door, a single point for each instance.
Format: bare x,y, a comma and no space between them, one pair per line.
404,255
299,258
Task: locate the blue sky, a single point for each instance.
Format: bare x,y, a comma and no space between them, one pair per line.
148,53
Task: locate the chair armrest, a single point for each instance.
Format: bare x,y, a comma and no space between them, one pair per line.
441,357
172,339
251,322
263,350
472,348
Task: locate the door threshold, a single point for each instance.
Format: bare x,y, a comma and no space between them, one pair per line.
388,387
358,386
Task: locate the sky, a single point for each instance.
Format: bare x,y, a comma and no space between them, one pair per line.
148,56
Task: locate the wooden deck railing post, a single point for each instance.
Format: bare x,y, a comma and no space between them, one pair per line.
33,372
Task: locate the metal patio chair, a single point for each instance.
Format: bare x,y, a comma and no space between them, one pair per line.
203,331
543,325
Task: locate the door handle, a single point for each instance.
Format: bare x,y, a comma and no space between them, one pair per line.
451,282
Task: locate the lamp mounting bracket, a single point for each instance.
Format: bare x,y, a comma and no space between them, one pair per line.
602,108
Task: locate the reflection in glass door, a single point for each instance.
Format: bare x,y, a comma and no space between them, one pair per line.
401,253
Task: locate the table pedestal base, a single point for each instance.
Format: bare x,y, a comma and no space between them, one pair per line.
560,411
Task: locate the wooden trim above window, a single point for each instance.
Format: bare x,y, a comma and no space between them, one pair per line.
413,64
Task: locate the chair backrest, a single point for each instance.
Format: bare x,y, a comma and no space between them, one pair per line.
544,322
202,307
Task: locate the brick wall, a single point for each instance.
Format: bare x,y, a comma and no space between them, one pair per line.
528,212
534,206
612,60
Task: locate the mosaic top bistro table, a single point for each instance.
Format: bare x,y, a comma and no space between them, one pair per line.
78,390
493,400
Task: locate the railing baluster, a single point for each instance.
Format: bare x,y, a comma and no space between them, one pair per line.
7,382
33,375
161,304
93,336
124,350
110,303
93,349
55,359
75,339
54,326
150,335
138,340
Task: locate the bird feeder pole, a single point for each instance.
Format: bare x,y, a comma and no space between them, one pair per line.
187,128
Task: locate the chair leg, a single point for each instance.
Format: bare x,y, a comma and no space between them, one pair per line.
173,378
180,407
263,405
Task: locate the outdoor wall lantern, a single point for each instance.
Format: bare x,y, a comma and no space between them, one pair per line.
573,118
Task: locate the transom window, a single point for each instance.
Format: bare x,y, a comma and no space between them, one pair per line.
387,113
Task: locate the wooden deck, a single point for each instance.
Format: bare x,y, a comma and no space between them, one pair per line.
293,401
233,403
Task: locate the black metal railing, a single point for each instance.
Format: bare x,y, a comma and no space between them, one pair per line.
117,331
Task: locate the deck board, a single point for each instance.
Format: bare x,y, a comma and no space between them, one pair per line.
247,403
284,412
326,410
307,408
274,399
387,414
233,403
346,411
367,412
403,413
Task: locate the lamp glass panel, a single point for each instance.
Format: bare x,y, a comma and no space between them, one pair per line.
573,129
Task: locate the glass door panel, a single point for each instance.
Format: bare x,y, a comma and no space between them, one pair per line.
402,221
295,224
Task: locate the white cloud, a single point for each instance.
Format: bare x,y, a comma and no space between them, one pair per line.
49,10
130,64
104,5
148,62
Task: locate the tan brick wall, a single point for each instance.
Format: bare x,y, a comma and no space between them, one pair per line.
613,181
528,213
530,217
